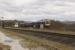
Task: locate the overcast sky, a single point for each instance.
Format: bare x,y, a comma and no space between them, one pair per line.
38,9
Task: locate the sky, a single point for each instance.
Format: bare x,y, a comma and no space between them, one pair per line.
33,10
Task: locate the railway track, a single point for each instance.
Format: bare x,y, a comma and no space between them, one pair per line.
61,38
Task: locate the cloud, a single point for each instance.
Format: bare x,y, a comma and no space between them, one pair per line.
38,9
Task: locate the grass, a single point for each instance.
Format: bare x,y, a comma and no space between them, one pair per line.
47,30
33,42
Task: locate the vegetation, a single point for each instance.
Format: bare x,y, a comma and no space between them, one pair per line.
34,42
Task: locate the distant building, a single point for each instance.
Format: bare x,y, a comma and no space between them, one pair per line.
38,25
16,24
41,26
46,22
